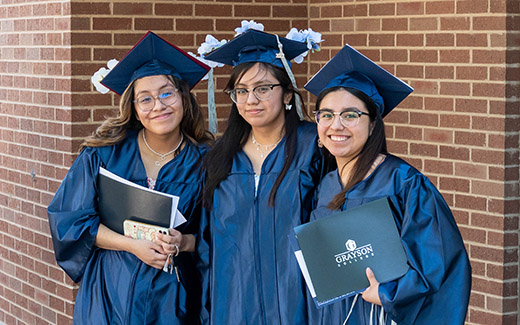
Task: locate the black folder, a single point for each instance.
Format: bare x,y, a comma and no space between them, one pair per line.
337,250
120,199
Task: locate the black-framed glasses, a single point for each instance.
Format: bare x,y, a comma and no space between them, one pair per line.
147,102
262,92
350,118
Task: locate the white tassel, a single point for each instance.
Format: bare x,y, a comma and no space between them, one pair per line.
382,318
281,56
371,313
382,314
351,308
212,112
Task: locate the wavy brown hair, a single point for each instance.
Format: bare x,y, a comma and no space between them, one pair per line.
113,129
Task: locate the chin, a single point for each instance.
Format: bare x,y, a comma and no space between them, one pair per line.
256,123
337,152
165,131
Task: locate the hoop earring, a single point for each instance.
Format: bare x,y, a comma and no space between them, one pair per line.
288,107
320,144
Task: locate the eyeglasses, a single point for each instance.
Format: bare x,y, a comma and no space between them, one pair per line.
325,117
262,92
167,97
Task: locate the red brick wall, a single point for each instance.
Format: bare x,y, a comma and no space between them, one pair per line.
35,149
461,125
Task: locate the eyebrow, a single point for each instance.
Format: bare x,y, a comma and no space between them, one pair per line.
345,109
258,83
167,84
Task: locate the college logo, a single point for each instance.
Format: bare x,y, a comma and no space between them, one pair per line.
354,253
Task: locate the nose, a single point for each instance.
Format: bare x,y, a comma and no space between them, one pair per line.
336,123
251,97
158,105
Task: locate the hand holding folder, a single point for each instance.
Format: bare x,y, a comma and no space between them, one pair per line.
120,199
334,252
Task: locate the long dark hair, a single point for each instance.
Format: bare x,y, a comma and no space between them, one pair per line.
219,160
375,145
113,129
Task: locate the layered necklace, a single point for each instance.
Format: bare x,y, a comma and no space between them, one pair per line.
162,157
261,148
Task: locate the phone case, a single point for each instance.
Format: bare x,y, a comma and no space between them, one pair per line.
140,230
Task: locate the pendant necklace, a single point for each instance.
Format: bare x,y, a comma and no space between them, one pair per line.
162,156
266,146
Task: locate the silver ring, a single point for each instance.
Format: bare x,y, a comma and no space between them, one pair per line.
177,248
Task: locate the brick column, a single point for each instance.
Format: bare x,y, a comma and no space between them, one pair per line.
460,126
35,148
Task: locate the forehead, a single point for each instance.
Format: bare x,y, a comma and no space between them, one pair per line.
151,83
255,75
340,100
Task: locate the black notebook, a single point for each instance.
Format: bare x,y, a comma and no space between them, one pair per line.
334,252
120,199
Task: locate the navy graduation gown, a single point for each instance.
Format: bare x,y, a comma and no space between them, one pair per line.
116,287
436,289
253,275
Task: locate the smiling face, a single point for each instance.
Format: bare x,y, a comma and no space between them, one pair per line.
344,143
161,119
267,113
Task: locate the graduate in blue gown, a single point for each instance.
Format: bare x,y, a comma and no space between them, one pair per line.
354,94
261,177
158,141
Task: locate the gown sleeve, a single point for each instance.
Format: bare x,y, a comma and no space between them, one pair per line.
203,251
438,260
73,218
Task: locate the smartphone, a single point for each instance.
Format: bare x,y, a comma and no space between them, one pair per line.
141,230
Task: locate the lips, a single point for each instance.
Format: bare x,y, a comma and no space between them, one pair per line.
162,116
254,111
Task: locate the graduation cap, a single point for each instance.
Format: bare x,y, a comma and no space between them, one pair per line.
351,69
256,46
153,56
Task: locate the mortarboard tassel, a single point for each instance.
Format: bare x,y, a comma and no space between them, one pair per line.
281,56
212,111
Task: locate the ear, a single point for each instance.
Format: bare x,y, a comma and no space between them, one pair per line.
372,126
287,98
